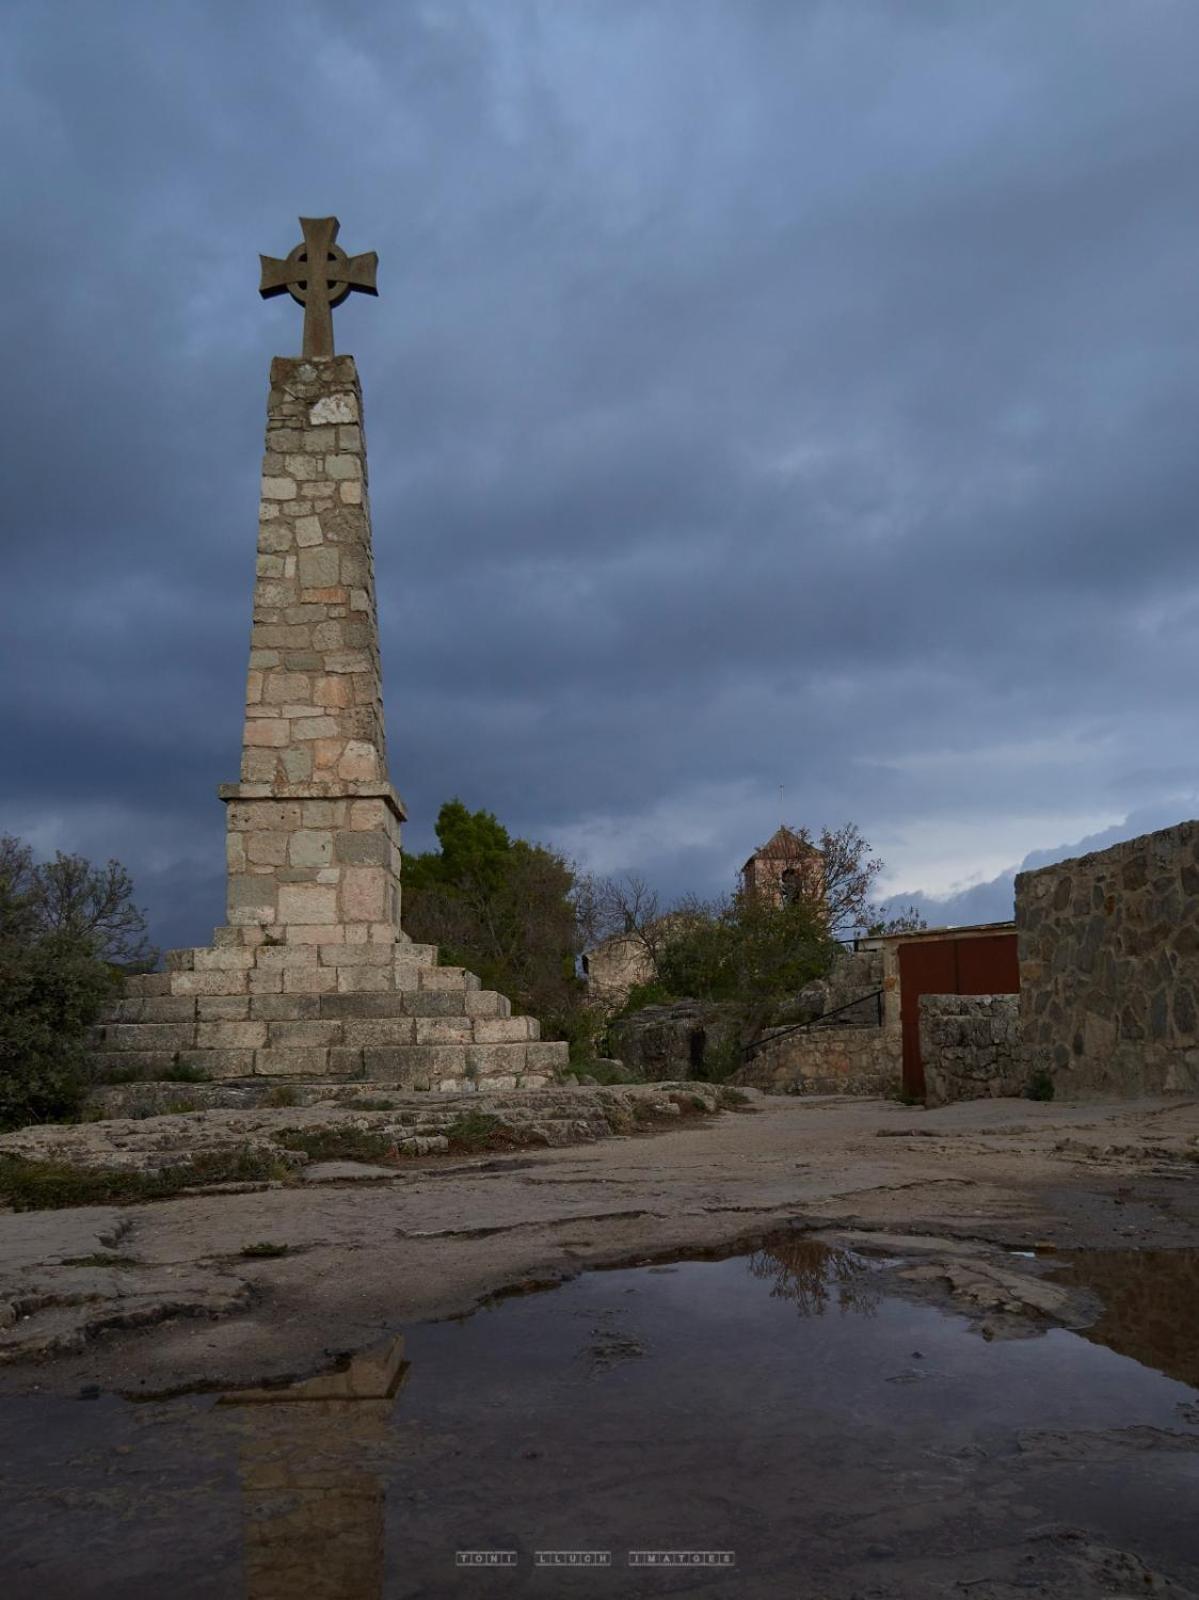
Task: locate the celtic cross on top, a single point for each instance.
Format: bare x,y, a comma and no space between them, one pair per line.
318,288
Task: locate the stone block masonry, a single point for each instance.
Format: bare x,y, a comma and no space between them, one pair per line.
312,977
970,1046
1109,966
825,1060
313,827
401,1020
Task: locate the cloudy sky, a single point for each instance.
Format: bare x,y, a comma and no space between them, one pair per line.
763,395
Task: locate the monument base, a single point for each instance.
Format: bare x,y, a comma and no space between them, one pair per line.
378,1009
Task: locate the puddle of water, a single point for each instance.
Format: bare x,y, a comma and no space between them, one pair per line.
780,1405
1150,1304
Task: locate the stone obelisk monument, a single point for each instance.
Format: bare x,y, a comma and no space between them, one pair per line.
312,975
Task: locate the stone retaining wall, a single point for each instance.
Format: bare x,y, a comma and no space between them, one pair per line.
1109,966
970,1044
680,1040
826,1060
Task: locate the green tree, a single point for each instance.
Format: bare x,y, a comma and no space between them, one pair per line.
66,932
506,909
93,906
752,952
475,852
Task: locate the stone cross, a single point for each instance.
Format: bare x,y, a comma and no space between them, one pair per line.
318,293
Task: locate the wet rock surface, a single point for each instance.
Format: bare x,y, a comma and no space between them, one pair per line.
259,1279
405,1124
784,1408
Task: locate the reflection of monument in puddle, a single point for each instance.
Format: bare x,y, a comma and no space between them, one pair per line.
311,1480
811,1274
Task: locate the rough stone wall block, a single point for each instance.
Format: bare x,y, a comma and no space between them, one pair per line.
313,824
1109,966
970,1045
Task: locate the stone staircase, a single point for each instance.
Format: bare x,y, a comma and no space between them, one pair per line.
381,1010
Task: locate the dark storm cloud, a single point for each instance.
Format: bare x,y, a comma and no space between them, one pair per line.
759,395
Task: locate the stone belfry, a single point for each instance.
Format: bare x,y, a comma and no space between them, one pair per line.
312,976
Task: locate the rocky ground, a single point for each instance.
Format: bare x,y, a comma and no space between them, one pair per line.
334,1230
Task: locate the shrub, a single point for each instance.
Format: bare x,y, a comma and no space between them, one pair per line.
479,1130
66,931
51,991
1040,1085
186,1072
337,1144
51,1185
605,1072
654,993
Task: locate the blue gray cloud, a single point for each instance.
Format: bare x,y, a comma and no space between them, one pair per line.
760,395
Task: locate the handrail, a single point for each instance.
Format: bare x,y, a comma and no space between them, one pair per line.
751,1050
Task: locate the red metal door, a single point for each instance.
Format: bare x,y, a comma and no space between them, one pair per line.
926,967
988,964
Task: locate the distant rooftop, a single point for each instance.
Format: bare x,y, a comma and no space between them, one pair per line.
783,845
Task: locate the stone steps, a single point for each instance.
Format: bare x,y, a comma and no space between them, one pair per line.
481,1015
302,969
373,1012
414,1051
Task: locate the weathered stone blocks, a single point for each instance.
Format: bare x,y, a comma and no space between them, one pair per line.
1109,966
971,1047
337,1010
314,719
311,975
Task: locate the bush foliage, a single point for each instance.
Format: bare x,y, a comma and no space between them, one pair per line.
506,909
67,933
749,951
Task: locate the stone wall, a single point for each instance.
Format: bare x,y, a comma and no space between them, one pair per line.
853,978
1109,966
860,1052
681,1040
857,1059
971,1047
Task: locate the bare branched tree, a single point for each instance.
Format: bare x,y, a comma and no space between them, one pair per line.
70,896
17,918
841,889
628,908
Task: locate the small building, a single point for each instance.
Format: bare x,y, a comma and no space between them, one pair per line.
614,968
785,865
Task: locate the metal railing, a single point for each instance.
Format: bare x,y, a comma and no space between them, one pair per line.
749,1051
